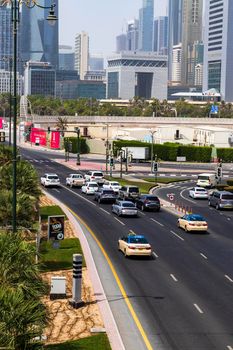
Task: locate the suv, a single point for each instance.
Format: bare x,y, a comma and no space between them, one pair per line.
105,195
96,176
75,180
148,202
129,192
221,200
50,180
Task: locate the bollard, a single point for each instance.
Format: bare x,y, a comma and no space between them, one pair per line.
77,281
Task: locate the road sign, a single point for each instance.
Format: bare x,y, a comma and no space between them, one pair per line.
171,196
181,159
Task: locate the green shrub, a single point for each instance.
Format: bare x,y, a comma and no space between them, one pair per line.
228,188
74,141
226,154
50,210
220,187
195,153
230,182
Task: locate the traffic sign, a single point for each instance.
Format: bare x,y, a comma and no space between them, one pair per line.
171,196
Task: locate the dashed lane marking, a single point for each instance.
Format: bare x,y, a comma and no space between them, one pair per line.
182,239
229,279
105,211
122,223
173,277
205,257
198,308
79,195
155,255
157,222
229,347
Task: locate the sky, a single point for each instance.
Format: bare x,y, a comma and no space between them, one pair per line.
103,20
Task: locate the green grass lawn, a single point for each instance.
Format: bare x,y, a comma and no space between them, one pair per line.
95,342
165,180
52,259
50,210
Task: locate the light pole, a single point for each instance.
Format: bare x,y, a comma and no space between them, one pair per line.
52,18
152,148
78,146
107,149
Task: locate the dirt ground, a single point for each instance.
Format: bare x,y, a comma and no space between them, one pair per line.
67,323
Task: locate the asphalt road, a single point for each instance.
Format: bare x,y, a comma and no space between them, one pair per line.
183,296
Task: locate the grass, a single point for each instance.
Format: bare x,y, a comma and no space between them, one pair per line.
95,342
52,259
50,210
165,180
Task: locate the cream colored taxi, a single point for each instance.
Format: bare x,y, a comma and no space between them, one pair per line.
192,222
134,245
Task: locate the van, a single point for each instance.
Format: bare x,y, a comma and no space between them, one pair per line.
221,200
206,180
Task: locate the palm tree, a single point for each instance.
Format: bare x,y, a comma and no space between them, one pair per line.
62,124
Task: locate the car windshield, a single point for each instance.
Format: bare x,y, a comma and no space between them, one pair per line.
151,198
200,190
195,218
227,196
98,174
108,192
115,184
139,240
53,177
133,189
128,205
203,177
92,185
77,176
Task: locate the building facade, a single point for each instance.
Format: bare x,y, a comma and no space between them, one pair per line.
160,41
38,39
5,37
191,33
121,40
146,19
142,74
132,35
218,52
174,29
66,57
81,53
176,63
5,77
39,79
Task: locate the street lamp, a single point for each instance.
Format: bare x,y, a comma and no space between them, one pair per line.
15,4
78,146
152,132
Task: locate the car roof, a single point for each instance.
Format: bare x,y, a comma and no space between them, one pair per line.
199,188
75,174
195,216
50,174
136,236
91,182
224,192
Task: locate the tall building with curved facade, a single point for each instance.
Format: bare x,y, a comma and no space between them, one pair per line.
146,20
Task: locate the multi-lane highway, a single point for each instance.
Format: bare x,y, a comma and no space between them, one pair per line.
183,295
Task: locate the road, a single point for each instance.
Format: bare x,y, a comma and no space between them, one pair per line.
183,296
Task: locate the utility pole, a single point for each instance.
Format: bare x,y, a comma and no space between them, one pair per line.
152,148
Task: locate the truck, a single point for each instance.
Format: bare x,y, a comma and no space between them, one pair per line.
136,154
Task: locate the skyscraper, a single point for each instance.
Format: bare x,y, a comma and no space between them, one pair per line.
174,29
39,40
121,42
132,35
161,35
218,48
191,32
81,53
146,18
5,37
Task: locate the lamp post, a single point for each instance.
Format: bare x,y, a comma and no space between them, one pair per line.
78,146
9,59
15,4
152,148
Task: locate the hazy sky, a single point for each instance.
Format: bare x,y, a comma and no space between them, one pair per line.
102,19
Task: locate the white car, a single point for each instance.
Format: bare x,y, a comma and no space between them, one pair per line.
90,187
112,185
198,192
75,180
96,176
50,180
134,245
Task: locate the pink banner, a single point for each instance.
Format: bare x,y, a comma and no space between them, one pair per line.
38,136
1,123
55,139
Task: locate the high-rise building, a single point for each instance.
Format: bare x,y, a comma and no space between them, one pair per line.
39,40
132,35
218,48
176,63
160,42
39,79
5,82
191,32
174,29
96,62
66,57
5,37
81,53
121,42
146,18
194,58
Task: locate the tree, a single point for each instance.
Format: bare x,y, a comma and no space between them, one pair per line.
62,124
22,313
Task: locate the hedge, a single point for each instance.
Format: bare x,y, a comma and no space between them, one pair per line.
169,151
226,154
74,141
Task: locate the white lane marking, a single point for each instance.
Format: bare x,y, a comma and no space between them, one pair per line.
173,175
229,219
205,257
187,199
119,221
105,211
131,231
162,174
229,347
220,213
55,189
173,277
198,308
155,255
182,239
229,279
79,195
143,214
157,222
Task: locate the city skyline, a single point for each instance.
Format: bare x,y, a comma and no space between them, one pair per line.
111,26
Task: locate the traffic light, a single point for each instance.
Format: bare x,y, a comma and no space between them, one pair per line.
48,129
29,129
2,136
219,172
155,166
111,161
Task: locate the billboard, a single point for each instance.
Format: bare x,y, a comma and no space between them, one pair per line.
55,139
1,123
38,136
56,227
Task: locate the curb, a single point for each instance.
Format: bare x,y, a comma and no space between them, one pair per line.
105,310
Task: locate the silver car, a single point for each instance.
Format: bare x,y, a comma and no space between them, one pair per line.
124,208
221,200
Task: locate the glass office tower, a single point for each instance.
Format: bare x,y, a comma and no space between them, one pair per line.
146,19
39,40
5,37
